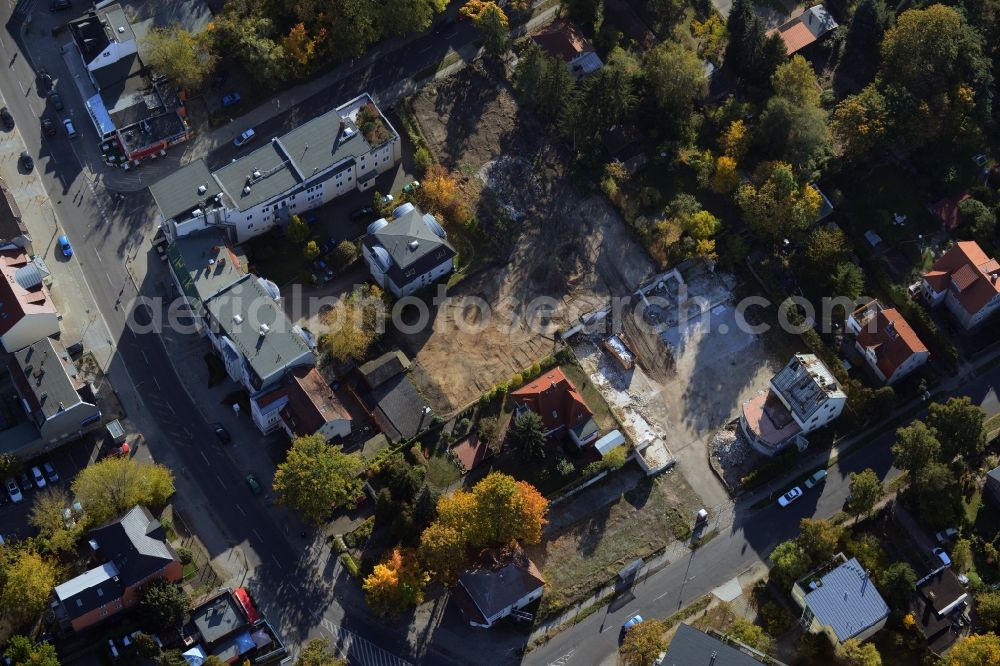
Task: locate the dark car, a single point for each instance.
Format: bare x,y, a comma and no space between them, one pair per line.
26,161
362,212
26,483
221,432
8,120
48,126
231,99
57,102
44,77
60,5
75,349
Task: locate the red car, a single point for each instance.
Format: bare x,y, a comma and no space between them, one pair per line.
119,451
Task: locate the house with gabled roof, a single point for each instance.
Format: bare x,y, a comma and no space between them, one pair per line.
560,405
408,252
303,405
805,29
488,594
887,342
967,281
563,39
937,607
840,600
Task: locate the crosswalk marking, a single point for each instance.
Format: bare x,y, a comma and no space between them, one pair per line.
358,650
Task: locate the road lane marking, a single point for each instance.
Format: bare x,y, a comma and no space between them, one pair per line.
276,560
204,457
157,383
241,510
109,278
256,534
221,482
144,356
98,255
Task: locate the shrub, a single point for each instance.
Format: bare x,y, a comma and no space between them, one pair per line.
612,461
350,564
565,467
777,466
345,254
462,426
516,381
776,619
423,160
185,555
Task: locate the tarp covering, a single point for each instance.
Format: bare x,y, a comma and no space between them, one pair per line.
95,105
244,642
195,656
261,639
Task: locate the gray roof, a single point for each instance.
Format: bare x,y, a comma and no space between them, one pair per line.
136,543
89,590
412,245
218,618
384,368
493,591
177,193
205,264
399,408
118,24
46,368
248,300
276,176
846,600
994,473
691,647
314,146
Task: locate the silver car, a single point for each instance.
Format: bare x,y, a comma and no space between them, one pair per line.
790,496
14,491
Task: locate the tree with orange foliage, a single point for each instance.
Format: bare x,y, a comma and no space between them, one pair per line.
299,46
439,195
395,584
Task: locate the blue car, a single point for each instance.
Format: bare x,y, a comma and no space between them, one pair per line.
633,621
67,249
231,99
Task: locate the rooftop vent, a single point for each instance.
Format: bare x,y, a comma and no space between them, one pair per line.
256,173
237,319
246,190
413,245
264,328
202,189
121,29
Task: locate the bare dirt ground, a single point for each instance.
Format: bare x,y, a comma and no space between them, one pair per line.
549,241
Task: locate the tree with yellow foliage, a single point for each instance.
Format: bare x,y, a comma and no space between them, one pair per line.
442,551
353,325
735,140
860,123
438,195
300,47
975,650
27,579
395,584
777,204
725,179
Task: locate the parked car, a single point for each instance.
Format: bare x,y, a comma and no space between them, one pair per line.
118,451
65,246
253,483
112,648
387,199
943,556
946,535
70,128
56,100
38,477
231,99
26,161
244,138
50,472
8,120
790,496
816,479
75,349
14,492
25,482
60,5
633,621
221,432
409,187
362,212
48,127
44,77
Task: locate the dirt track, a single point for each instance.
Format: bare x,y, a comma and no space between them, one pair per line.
569,247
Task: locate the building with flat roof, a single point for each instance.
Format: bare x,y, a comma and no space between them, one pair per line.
840,600
804,396
231,628
204,264
409,252
338,152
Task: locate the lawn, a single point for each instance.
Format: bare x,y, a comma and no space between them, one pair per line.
440,472
593,397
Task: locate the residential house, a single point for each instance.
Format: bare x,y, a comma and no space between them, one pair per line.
803,397
341,151
690,647
840,600
13,232
302,405
563,411
805,29
966,280
230,627
132,551
487,595
937,607
993,485
562,39
888,344
408,253
27,313
58,403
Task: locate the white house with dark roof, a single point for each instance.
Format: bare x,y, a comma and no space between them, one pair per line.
409,252
338,152
486,596
840,600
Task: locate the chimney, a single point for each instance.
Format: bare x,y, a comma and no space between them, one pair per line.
264,328
340,132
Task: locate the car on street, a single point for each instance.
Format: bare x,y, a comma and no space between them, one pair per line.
221,432
409,187
8,120
816,479
70,128
244,138
790,496
26,161
56,100
632,622
60,5
48,127
65,247
38,477
946,535
50,473
361,213
231,99
119,451
14,492
44,77
943,556
387,199
253,483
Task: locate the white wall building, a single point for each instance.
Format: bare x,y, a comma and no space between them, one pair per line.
888,343
408,253
967,280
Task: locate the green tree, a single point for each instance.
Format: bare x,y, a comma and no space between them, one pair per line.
961,555
164,605
112,486
311,250
316,478
611,89
975,650
643,643
544,82
854,653
493,29
527,435
864,36
23,651
916,446
675,79
47,515
26,582
746,37
584,12
793,126
188,59
988,609
10,466
825,249
848,280
317,652
748,633
861,123
344,254
252,39
938,494
819,539
298,230
958,425
795,81
789,563
777,205
866,492
402,16
979,223
897,583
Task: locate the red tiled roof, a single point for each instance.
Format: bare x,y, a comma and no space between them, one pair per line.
892,339
796,36
562,39
16,302
947,209
311,403
554,397
970,271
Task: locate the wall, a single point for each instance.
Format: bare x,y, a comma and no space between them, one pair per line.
420,281
31,329
69,422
